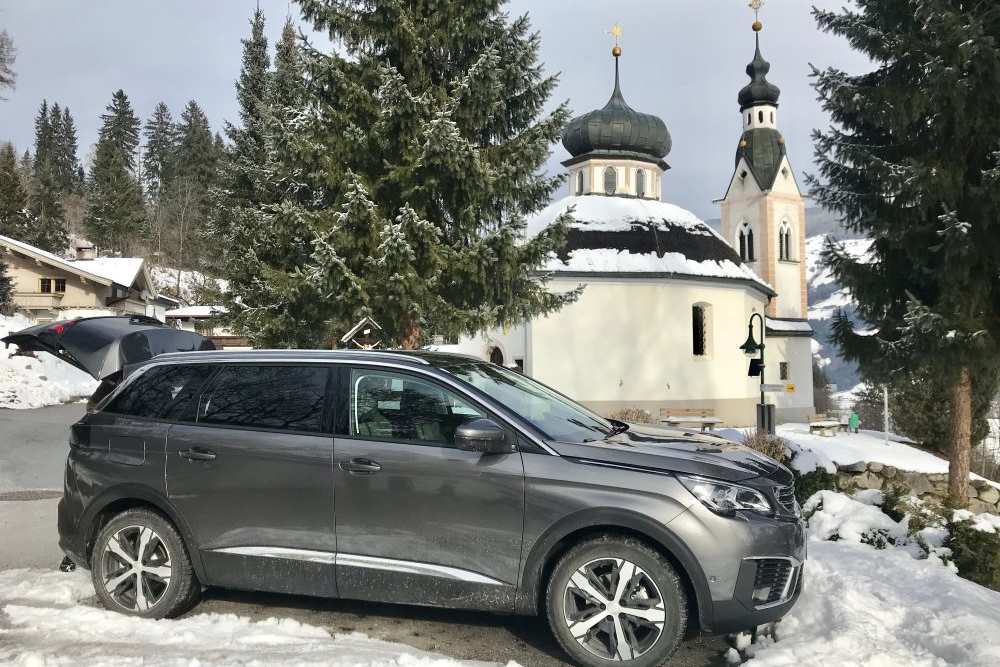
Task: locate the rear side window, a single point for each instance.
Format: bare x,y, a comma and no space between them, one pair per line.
163,392
275,397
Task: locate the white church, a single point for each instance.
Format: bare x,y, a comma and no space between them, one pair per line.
667,300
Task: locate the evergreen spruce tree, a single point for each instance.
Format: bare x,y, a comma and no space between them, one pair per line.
247,139
404,180
287,84
45,202
195,169
6,291
16,220
67,164
115,218
158,152
913,161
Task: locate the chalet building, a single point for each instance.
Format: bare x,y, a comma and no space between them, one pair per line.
48,287
667,299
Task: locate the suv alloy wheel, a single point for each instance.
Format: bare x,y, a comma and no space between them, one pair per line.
614,599
140,567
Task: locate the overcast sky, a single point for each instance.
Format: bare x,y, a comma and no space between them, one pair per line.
683,60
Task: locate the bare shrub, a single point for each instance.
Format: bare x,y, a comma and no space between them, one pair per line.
632,416
766,444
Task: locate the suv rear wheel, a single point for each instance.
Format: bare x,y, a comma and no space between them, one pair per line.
615,599
140,567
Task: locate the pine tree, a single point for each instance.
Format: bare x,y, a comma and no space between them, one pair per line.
158,154
8,54
287,85
67,164
45,200
913,161
195,166
247,139
115,218
407,173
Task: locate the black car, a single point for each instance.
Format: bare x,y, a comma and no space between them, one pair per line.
427,479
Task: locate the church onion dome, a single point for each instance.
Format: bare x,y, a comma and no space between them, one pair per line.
617,131
759,90
763,148
641,238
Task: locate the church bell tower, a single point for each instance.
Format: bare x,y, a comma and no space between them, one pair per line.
763,213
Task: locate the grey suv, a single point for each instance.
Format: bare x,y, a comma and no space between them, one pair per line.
427,479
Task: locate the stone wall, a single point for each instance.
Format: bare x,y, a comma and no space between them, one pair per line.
983,497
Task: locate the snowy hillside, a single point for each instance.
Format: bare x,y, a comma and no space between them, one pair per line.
186,285
826,296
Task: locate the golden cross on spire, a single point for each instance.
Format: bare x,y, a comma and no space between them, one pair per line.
616,32
755,5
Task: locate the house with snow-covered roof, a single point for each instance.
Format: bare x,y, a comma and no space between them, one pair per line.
49,287
666,299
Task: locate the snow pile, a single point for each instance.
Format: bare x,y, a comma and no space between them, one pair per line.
986,523
43,627
862,606
27,382
833,515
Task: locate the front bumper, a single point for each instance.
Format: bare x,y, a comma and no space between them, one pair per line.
745,610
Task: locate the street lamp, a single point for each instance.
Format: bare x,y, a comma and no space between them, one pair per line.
765,414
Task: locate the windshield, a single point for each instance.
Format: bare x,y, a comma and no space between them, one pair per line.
551,413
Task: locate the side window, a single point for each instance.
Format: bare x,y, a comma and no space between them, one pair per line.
783,370
279,397
400,407
163,392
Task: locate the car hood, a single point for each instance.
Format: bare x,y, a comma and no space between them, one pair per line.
103,346
671,450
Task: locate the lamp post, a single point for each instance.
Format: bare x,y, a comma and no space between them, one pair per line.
765,417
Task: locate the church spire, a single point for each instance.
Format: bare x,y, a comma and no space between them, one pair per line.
759,91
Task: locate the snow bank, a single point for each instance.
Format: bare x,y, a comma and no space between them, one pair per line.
862,606
833,514
45,624
27,382
847,448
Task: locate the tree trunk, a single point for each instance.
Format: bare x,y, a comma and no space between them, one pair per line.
411,333
961,439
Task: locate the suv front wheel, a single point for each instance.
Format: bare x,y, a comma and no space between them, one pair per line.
140,567
615,599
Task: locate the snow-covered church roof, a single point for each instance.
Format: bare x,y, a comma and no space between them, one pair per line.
624,235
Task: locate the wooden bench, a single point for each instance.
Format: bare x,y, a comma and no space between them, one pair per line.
705,418
826,426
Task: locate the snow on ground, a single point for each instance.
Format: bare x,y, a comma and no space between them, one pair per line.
883,608
27,382
190,282
42,622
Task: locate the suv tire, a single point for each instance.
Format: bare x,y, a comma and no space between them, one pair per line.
141,548
651,605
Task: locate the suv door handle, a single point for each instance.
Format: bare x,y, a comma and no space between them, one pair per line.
360,466
197,454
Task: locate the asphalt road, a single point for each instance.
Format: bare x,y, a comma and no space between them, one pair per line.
33,451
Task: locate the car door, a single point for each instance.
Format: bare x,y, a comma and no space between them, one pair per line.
253,478
418,520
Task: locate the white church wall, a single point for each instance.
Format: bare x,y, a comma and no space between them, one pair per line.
797,353
629,343
512,343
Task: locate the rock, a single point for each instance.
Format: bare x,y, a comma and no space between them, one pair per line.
980,484
971,491
858,466
989,495
938,477
979,507
868,481
875,467
889,472
919,484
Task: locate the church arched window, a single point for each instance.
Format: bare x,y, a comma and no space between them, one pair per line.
744,239
610,180
640,182
760,117
579,182
785,242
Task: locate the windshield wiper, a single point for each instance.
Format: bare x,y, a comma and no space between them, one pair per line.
617,427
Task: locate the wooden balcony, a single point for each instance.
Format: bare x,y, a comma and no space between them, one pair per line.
38,300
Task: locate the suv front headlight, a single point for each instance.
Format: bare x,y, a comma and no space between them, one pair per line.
725,498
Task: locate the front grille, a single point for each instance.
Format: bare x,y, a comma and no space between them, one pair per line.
773,581
786,497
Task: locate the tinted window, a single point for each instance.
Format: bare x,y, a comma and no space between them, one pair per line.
395,406
163,391
278,397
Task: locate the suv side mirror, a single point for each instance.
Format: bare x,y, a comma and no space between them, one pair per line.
483,435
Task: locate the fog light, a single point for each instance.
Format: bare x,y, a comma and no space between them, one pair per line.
761,594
